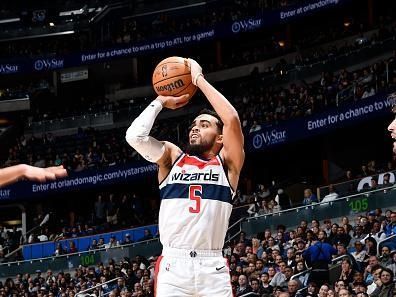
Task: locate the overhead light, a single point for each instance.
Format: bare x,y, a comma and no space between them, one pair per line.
281,43
347,24
52,24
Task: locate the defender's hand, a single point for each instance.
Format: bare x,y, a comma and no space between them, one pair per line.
196,70
173,102
44,174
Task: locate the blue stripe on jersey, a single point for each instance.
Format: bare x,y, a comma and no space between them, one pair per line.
212,192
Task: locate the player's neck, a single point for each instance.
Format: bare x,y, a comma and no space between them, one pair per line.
206,155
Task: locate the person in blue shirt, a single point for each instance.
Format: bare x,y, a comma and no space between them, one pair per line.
390,229
309,197
318,256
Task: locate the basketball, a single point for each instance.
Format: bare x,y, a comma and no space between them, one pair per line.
172,77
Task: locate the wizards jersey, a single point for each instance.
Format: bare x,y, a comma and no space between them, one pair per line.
196,204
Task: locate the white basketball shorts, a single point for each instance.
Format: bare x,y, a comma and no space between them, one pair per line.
192,273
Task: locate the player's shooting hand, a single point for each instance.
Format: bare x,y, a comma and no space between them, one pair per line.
173,102
44,174
196,70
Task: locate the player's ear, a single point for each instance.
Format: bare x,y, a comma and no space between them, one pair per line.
219,139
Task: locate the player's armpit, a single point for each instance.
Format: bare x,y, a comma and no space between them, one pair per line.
171,153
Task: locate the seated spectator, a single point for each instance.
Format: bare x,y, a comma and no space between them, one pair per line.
386,286
390,228
331,196
127,239
309,197
347,271
243,286
385,258
147,235
93,245
72,247
112,243
59,250
360,254
392,265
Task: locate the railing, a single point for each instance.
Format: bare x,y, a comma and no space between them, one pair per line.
300,273
87,258
356,185
47,249
250,294
97,286
230,234
379,245
343,206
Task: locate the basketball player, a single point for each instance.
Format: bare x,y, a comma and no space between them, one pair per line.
196,191
15,173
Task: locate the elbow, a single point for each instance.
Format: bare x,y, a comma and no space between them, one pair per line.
133,138
232,119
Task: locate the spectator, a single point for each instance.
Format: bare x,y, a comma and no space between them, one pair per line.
283,199
319,256
341,237
99,208
347,271
112,243
147,235
375,272
94,245
309,197
59,249
292,287
127,239
392,266
243,286
386,286
112,211
376,232
390,228
72,247
331,196
359,254
385,258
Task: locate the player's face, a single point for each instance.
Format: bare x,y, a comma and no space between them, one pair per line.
203,133
392,130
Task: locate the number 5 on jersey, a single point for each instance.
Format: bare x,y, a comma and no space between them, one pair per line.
195,194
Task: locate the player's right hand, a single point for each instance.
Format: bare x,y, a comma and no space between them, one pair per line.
173,102
196,70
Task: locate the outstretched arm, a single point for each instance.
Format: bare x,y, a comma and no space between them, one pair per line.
12,174
153,150
233,141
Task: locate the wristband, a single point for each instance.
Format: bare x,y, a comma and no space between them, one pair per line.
195,80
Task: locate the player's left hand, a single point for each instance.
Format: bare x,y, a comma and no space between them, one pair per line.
195,69
44,174
174,102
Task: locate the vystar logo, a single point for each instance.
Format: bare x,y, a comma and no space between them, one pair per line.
5,194
9,68
201,176
245,25
48,64
268,138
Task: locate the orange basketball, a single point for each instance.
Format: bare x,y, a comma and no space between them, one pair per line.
172,77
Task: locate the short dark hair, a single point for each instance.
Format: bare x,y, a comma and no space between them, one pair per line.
211,112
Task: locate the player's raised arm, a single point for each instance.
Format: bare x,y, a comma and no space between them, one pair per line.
15,173
233,141
147,146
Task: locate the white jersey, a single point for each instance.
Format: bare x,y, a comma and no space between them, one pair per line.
196,204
